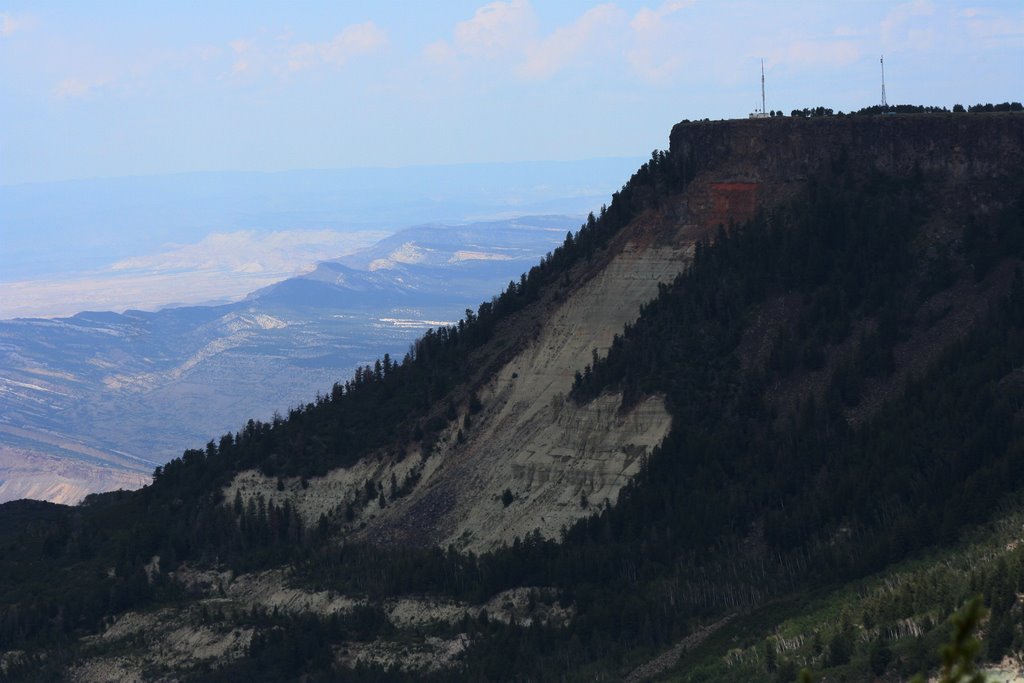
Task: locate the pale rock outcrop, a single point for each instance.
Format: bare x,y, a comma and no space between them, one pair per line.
559,461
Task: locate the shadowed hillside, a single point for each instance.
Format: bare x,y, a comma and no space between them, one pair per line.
780,366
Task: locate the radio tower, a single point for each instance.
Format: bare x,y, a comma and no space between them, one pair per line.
760,113
881,61
763,110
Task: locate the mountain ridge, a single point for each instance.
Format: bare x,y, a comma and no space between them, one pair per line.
298,333
746,290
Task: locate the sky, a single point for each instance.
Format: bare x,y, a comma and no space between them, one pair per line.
108,89
156,152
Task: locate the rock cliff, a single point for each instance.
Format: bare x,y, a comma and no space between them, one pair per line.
558,460
515,456
789,149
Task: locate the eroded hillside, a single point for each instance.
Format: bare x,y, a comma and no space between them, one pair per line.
559,460
556,459
783,356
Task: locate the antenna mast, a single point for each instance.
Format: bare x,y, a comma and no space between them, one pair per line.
762,87
882,62
760,113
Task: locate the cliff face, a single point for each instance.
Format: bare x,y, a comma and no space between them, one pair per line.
738,168
529,460
559,460
788,149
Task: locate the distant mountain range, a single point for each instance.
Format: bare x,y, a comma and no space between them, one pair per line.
50,229
97,400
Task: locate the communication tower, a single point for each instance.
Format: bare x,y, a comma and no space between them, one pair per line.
761,113
882,62
763,110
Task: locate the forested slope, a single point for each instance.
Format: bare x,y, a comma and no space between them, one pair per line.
840,359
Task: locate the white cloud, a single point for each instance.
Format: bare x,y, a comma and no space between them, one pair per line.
439,52
567,43
805,53
991,28
651,19
282,56
496,29
10,24
507,33
352,41
655,53
80,87
241,50
849,32
894,27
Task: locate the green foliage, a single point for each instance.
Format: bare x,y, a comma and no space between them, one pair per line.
728,461
840,648
876,109
958,656
989,107
879,656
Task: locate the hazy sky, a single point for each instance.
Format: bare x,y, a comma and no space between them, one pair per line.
125,88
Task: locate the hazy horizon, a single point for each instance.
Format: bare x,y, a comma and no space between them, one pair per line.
148,242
